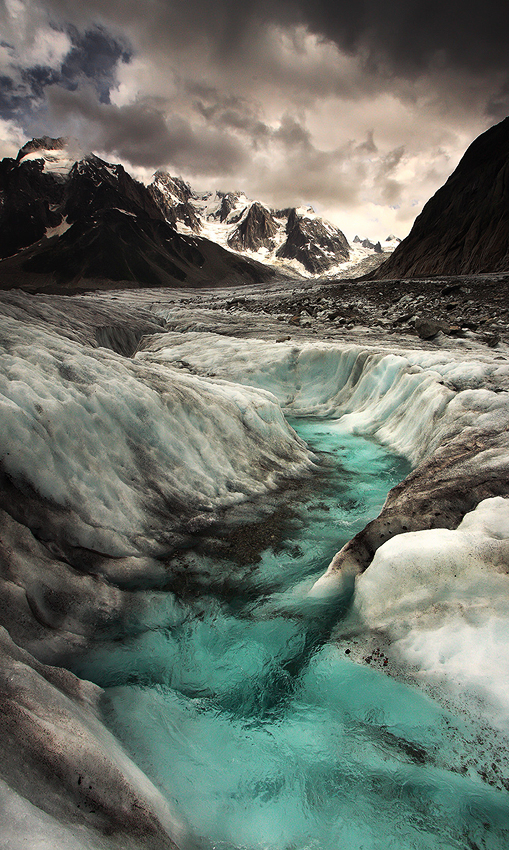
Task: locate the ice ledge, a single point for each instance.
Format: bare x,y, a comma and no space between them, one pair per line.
447,411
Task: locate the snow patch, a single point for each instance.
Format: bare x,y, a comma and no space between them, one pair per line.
59,230
57,162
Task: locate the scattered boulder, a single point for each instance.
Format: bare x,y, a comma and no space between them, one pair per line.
427,328
491,339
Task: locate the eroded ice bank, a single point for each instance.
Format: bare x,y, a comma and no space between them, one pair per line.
111,464
437,557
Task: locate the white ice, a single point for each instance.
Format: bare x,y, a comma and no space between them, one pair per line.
443,598
119,450
114,442
442,595
408,400
27,827
57,162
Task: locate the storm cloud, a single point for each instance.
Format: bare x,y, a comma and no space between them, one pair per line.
405,34
361,109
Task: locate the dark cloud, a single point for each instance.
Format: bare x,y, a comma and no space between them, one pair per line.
94,56
408,35
397,44
498,103
292,133
389,162
400,38
319,100
38,77
228,112
10,99
369,146
412,35
141,133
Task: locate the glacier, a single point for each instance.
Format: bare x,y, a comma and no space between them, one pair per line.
135,424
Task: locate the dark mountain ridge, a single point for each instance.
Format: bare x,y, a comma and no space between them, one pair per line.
464,228
94,223
30,198
256,230
313,242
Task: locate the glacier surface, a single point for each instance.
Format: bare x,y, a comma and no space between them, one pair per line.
134,425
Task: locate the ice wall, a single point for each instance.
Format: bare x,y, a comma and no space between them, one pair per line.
65,780
446,410
410,401
119,453
106,466
442,597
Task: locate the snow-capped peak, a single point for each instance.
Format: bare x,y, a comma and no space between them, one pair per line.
55,154
294,237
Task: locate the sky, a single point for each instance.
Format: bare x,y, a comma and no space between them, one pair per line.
361,108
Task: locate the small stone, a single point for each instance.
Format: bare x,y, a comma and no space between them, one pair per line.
491,339
454,289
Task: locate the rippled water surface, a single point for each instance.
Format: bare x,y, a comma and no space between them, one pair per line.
259,729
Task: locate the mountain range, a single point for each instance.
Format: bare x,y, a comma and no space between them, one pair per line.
240,224
67,225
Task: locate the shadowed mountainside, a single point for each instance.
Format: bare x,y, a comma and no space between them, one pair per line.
93,224
464,227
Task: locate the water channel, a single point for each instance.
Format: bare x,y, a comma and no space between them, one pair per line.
262,731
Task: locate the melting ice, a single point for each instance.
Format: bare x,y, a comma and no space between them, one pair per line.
263,712
261,730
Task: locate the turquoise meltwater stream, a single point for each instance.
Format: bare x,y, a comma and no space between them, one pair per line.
260,730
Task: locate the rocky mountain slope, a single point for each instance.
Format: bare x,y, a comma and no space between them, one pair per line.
294,237
89,224
316,244
464,227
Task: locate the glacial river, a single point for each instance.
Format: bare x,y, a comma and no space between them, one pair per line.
261,729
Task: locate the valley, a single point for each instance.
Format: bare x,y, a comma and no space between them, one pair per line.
254,524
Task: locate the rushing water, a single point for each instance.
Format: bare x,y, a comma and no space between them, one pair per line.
259,729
